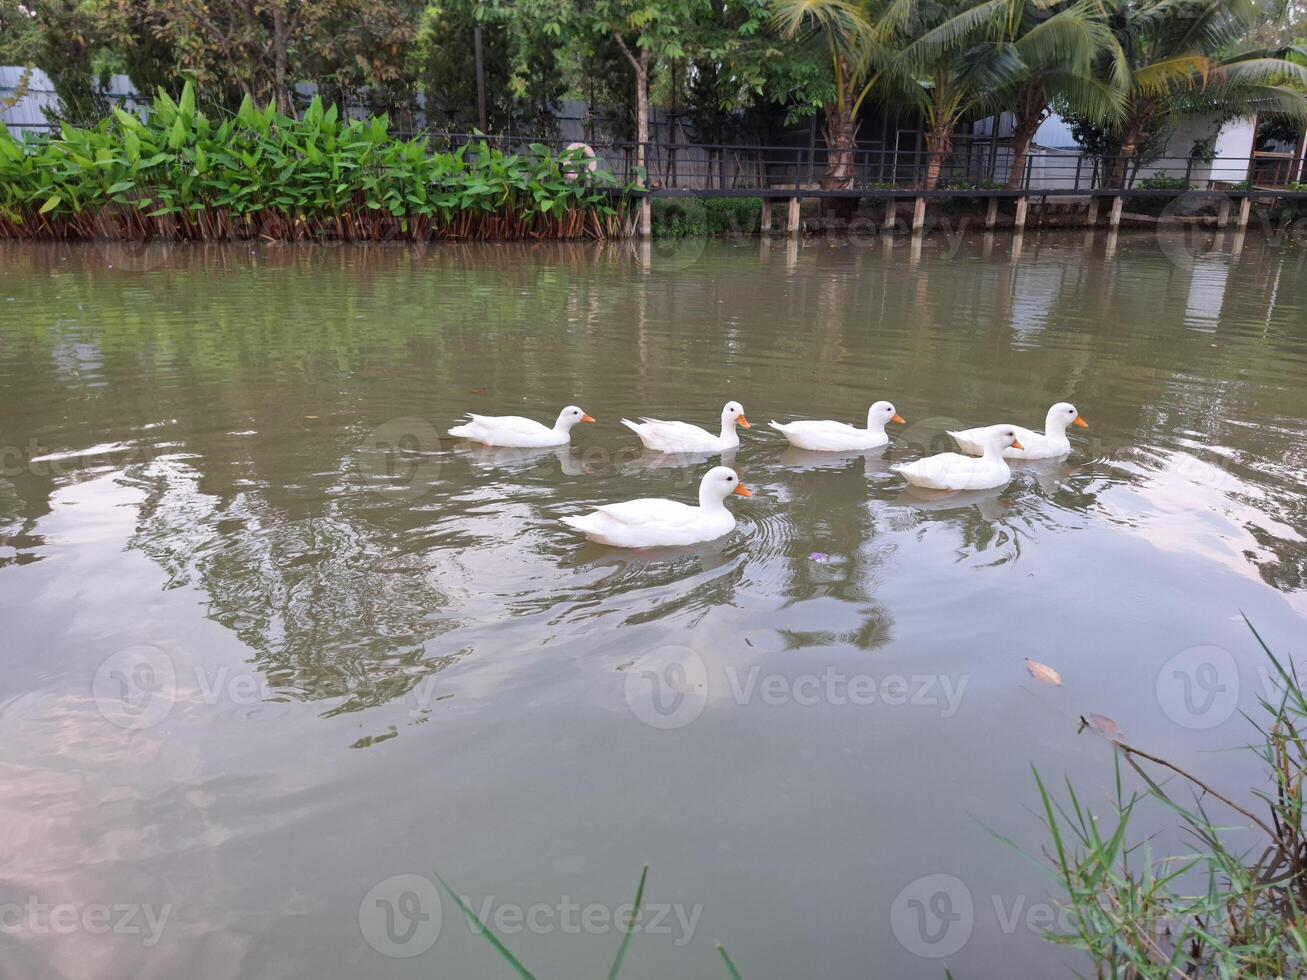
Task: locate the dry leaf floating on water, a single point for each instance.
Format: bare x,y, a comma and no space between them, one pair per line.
1043,673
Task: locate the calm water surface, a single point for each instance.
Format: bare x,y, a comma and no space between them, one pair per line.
257,662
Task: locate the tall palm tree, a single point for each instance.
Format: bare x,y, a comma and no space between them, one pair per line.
857,35
1055,45
956,70
1176,57
1058,52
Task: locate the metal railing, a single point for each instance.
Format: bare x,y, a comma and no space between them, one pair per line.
972,165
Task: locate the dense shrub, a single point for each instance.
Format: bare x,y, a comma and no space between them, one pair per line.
1160,181
178,174
682,217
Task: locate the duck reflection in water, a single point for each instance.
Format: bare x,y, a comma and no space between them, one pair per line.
511,458
874,463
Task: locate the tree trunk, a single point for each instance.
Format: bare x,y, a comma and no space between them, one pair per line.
939,143
1117,177
280,42
1134,135
841,135
642,136
640,65
1030,113
642,109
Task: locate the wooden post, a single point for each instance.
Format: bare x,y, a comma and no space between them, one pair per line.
891,217
1020,223
646,217
1114,221
991,214
1223,214
764,223
1091,216
919,214
792,218
1245,209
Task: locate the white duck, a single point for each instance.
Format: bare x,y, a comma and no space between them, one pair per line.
834,437
655,521
1038,445
519,433
682,437
953,471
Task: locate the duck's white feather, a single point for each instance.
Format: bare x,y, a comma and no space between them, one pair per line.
651,522
516,432
953,471
829,436
1037,444
677,437
1050,443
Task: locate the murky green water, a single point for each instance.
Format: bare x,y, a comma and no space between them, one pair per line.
257,663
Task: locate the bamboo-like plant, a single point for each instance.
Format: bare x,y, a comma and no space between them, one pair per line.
176,174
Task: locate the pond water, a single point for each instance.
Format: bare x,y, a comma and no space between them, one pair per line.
265,675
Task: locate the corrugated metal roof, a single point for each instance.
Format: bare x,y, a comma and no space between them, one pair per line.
28,114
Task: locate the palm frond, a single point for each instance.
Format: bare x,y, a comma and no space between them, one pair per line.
1185,71
966,26
847,30
1070,40
1087,96
1262,71
1214,24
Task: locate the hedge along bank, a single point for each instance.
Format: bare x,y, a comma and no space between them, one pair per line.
177,174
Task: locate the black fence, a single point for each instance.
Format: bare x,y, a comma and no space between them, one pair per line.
974,164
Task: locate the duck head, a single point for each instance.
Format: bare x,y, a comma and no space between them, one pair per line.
718,484
569,416
1000,437
881,414
1062,415
733,415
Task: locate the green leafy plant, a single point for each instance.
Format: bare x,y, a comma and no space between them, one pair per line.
1161,181
177,174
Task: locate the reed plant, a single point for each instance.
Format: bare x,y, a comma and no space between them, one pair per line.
175,173
1217,910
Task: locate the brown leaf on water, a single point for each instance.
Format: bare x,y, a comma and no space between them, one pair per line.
312,418
1043,673
477,391
1101,725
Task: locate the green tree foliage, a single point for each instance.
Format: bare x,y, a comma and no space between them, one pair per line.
1175,59
1124,70
524,80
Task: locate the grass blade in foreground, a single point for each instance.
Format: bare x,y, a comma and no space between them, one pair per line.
630,924
521,971
735,974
